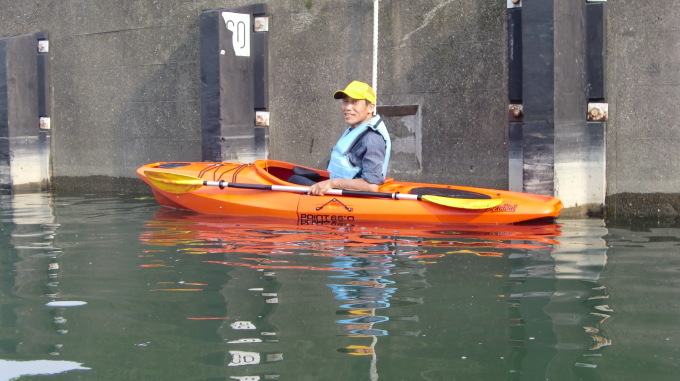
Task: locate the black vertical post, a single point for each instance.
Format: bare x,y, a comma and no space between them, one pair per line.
233,83
515,112
538,90
562,47
595,49
596,92
5,169
515,55
44,105
24,147
43,62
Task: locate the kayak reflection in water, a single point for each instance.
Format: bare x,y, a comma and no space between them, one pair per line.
365,292
357,350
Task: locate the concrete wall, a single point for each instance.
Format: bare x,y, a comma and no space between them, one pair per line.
126,87
643,88
126,83
447,57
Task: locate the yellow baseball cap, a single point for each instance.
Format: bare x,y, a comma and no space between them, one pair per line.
357,90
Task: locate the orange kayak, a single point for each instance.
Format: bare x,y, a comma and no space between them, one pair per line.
260,189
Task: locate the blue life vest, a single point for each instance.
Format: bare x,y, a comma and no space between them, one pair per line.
340,166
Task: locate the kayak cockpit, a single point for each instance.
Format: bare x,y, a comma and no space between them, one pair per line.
278,172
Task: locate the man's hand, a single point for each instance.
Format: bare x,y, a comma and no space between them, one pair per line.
321,187
354,184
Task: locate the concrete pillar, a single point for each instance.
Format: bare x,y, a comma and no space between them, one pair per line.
24,143
234,98
558,151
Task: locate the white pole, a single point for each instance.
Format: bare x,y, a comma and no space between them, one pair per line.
375,46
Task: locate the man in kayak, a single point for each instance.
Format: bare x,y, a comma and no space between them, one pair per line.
360,157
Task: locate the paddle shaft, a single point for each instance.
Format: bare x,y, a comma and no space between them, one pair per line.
335,192
181,183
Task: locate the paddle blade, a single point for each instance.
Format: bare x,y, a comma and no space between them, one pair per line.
463,203
173,182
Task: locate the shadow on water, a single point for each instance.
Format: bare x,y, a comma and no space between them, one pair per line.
119,288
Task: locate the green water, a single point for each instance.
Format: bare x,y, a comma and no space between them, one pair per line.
156,294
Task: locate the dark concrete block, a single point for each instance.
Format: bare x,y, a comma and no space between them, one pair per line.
229,96
596,32
24,156
515,63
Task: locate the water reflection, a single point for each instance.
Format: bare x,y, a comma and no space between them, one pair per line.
376,274
558,305
119,288
30,271
366,288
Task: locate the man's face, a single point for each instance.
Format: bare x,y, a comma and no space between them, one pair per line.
356,111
